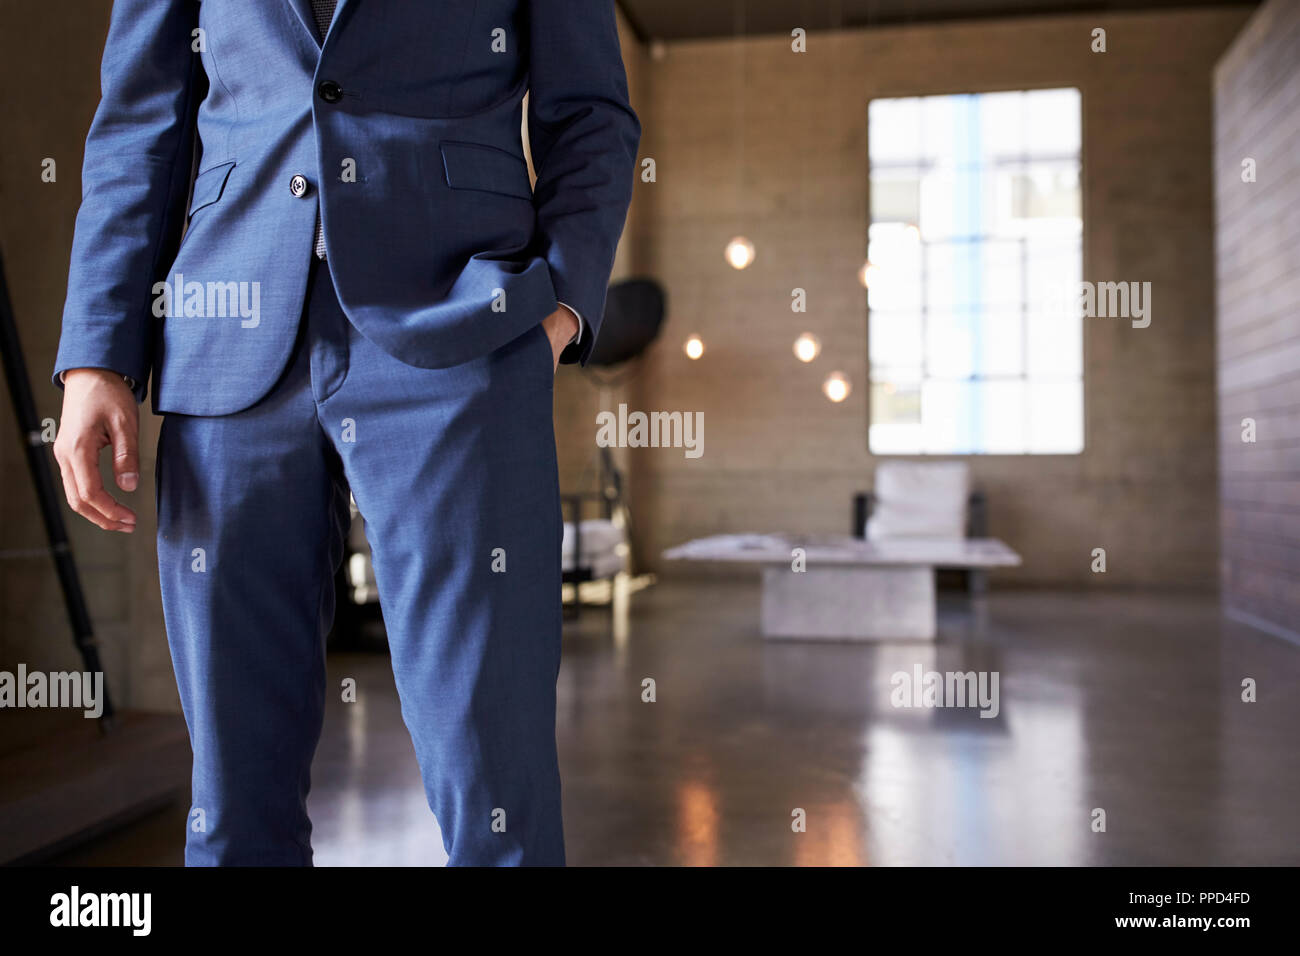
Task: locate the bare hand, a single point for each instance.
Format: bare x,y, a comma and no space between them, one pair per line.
98,411
561,326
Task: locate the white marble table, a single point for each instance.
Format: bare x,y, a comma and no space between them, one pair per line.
849,588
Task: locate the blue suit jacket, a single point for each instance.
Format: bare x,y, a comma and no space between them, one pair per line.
404,125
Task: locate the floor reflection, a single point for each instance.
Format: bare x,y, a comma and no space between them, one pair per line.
1125,703
697,824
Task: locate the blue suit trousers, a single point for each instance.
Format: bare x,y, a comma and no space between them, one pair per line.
454,472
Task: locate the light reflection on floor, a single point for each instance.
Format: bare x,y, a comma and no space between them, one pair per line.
1121,702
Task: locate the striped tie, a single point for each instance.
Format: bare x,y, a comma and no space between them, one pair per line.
323,11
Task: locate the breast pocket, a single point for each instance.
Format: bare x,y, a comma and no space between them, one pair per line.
208,186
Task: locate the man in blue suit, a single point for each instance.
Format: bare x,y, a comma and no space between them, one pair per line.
311,223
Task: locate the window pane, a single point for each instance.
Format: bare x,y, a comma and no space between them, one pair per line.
1002,126
894,130
895,342
1001,344
1056,417
1052,340
1001,274
1000,406
896,198
896,413
1054,271
1052,122
894,250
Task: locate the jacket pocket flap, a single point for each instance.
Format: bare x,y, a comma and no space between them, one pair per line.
209,185
476,166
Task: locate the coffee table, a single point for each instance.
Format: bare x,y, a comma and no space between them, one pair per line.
850,588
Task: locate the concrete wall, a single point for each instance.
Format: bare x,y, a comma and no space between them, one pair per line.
778,455
1257,117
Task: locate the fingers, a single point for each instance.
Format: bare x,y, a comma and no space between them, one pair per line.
89,498
83,508
82,486
74,500
126,462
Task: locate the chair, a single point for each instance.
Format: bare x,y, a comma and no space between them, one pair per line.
594,548
924,500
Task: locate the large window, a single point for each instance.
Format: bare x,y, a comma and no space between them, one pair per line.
974,244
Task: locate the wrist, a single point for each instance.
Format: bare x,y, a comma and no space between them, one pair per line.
562,326
91,374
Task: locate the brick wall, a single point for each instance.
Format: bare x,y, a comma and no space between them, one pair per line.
1257,117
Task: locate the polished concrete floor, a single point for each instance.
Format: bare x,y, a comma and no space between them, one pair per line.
1130,704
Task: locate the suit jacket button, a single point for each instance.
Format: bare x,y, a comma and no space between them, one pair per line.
298,186
330,91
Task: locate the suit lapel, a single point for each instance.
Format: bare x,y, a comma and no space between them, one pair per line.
302,9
